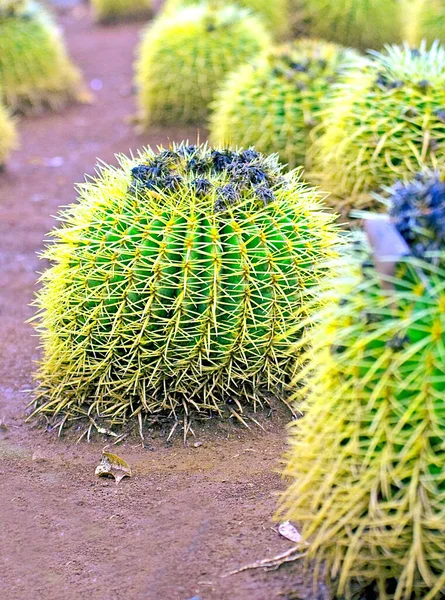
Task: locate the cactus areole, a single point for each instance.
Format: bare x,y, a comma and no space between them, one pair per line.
173,280
368,461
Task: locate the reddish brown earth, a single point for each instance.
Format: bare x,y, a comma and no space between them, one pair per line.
189,514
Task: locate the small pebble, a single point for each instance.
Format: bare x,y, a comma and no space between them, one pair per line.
196,445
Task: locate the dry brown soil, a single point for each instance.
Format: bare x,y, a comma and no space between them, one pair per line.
189,514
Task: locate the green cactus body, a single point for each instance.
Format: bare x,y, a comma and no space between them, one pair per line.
359,23
367,461
184,57
8,135
274,14
108,11
275,102
35,71
386,122
173,282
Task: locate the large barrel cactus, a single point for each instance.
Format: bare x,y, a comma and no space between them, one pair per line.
184,57
386,122
8,136
274,14
359,23
35,71
274,102
173,282
109,11
367,461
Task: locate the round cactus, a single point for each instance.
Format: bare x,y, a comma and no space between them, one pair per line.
108,11
173,280
360,23
274,14
274,102
367,461
184,57
8,136
35,71
384,123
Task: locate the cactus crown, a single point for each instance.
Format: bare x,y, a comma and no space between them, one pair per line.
402,64
418,211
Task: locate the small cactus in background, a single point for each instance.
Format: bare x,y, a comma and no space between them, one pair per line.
274,103
274,14
173,282
109,11
35,71
8,135
384,123
184,57
359,23
367,461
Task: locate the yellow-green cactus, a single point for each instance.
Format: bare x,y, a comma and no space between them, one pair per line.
35,71
8,136
274,14
384,123
359,23
184,57
274,102
423,20
367,460
108,11
173,281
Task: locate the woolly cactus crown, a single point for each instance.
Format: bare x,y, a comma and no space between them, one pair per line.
184,57
107,11
274,14
274,102
173,280
384,123
367,461
35,71
361,23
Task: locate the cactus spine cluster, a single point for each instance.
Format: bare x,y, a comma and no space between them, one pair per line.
8,136
173,282
274,102
108,11
359,23
184,57
274,14
35,71
367,461
384,123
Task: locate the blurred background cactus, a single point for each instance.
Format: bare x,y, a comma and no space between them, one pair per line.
274,14
109,11
274,102
184,57
173,279
35,71
384,123
360,23
367,461
8,136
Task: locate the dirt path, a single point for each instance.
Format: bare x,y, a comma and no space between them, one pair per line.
189,514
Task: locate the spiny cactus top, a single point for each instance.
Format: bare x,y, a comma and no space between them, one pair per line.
107,11
274,14
8,136
386,122
360,23
173,279
367,461
184,57
35,71
274,102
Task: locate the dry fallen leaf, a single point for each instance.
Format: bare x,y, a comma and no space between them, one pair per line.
290,532
113,466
